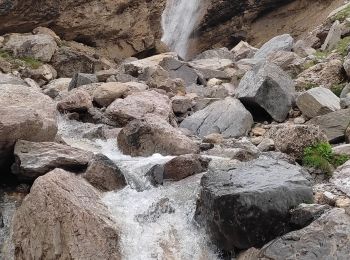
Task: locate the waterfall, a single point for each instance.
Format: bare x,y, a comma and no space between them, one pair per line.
178,22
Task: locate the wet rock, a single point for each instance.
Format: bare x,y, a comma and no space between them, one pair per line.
144,137
227,117
184,166
243,51
104,174
59,209
268,87
293,139
249,206
40,46
76,101
57,86
105,94
316,241
333,124
279,43
155,175
35,159
81,79
26,114
318,101
139,104
156,210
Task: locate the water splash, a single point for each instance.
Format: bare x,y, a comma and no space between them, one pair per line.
178,22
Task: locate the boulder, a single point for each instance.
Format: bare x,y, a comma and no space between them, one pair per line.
323,239
318,101
139,104
76,101
279,43
243,51
105,94
42,74
64,217
303,49
104,75
81,79
249,206
333,124
184,166
182,104
346,65
25,114
104,174
57,86
333,37
11,79
221,53
305,214
267,86
212,68
151,134
40,46
341,178
342,149
227,117
293,139
35,159
288,61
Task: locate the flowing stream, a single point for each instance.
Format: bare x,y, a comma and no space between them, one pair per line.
155,223
178,22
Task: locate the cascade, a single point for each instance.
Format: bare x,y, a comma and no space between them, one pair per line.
178,22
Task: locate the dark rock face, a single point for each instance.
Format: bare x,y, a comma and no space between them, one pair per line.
249,206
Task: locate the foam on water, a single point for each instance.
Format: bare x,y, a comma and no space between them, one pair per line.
154,223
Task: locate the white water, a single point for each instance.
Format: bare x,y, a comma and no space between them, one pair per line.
178,22
155,223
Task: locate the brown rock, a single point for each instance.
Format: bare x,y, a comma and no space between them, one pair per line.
105,94
63,217
78,100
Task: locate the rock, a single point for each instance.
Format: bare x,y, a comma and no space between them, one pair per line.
212,68
243,51
213,138
77,101
248,206
184,166
293,139
333,37
346,65
347,134
47,31
342,149
316,241
326,74
40,46
81,79
57,86
25,114
227,117
35,159
103,174
10,79
341,178
139,104
279,43
182,104
333,124
266,145
221,53
305,214
103,75
151,134
299,120
303,49
318,101
258,131
269,87
105,94
63,216
155,211
42,75
288,61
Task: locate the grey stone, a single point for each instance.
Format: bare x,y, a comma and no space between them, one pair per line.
342,149
341,178
243,51
221,53
212,68
228,117
279,43
318,101
333,37
10,79
249,206
269,87
80,79
305,214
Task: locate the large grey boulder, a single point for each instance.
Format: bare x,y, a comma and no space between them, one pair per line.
333,124
227,117
63,217
10,79
35,159
324,239
152,134
26,114
40,46
279,43
318,101
212,68
249,206
268,87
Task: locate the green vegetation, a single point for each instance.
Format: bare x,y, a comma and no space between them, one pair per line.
319,54
337,89
321,156
17,62
309,64
343,45
342,15
310,85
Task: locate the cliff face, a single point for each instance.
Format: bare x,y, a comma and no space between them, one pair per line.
120,28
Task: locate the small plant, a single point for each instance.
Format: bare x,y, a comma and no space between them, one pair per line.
337,89
31,62
18,62
310,85
343,45
321,156
319,54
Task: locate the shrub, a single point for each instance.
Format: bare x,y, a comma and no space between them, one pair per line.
321,156
342,15
337,89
